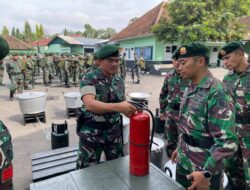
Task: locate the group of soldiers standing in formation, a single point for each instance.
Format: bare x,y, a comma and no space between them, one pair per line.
207,122
23,69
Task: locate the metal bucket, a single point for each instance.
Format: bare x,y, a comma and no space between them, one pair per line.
170,170
157,152
32,102
73,100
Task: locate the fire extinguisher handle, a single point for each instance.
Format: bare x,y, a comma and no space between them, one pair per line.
137,104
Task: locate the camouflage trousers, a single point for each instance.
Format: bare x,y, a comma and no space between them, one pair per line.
171,135
75,76
93,142
216,182
16,83
27,78
237,167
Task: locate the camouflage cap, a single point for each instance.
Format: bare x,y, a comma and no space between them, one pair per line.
4,48
229,48
193,49
108,51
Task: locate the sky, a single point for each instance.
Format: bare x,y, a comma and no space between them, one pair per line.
56,15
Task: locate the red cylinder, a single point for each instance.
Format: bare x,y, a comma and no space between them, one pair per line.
139,141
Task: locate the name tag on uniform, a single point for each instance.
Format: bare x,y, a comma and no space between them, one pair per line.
7,173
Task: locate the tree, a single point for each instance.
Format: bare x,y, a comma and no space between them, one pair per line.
89,31
202,20
18,34
41,31
13,32
5,31
27,32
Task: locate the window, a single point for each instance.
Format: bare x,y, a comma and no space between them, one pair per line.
168,49
215,49
145,52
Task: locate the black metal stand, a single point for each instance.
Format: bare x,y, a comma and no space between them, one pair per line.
73,112
27,118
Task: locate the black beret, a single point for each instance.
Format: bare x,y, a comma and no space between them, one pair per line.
108,51
4,48
229,48
193,49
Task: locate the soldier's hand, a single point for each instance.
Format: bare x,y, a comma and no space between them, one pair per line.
163,117
174,156
199,182
126,108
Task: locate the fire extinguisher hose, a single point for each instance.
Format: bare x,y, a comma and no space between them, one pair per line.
153,127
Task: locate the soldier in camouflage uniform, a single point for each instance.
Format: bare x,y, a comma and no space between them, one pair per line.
27,69
99,125
136,69
6,149
47,70
238,81
67,76
96,64
13,68
170,99
122,68
206,123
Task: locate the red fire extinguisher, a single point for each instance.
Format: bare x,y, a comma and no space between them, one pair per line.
140,142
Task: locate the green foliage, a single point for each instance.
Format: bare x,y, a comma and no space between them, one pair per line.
90,32
5,31
203,20
13,32
27,32
39,32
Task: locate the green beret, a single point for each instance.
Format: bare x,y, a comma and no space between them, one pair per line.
193,49
4,48
96,55
108,51
229,48
175,54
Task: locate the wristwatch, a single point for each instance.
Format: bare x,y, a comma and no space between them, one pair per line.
207,174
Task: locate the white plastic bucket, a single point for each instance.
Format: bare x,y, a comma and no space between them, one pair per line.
73,100
32,102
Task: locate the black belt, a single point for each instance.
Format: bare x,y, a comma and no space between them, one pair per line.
242,119
205,142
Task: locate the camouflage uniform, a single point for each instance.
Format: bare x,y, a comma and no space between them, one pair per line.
74,69
6,152
27,69
122,68
170,99
47,70
67,76
100,132
136,69
238,166
206,131
15,75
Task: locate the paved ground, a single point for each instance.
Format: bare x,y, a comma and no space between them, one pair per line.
30,138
